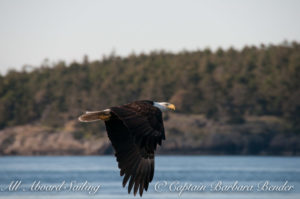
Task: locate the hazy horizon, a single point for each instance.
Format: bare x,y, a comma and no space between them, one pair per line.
67,30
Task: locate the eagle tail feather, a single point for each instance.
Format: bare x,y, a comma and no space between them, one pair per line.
92,116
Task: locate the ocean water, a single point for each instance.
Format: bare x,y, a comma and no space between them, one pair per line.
175,177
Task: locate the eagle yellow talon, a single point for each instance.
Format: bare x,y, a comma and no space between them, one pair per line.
104,117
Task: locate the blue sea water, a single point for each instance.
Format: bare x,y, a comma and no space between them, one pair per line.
175,177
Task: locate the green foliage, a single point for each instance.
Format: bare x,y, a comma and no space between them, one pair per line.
225,85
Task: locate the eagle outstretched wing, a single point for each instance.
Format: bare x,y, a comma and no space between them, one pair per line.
135,130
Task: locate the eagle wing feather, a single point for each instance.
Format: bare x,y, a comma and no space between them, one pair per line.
135,130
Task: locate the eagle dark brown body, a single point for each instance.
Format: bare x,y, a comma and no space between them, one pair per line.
135,130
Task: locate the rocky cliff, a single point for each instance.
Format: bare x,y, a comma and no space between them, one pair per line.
186,134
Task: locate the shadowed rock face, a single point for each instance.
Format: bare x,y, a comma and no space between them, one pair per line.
38,140
186,134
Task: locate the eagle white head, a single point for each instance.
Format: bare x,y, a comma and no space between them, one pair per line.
164,106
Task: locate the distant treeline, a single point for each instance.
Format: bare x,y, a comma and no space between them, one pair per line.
225,85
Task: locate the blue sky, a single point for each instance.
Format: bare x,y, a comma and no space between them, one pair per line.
33,30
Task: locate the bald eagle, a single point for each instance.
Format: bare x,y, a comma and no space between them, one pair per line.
134,130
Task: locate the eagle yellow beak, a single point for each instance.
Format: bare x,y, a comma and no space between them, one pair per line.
171,106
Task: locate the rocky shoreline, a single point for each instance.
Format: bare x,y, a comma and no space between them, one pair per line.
186,134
